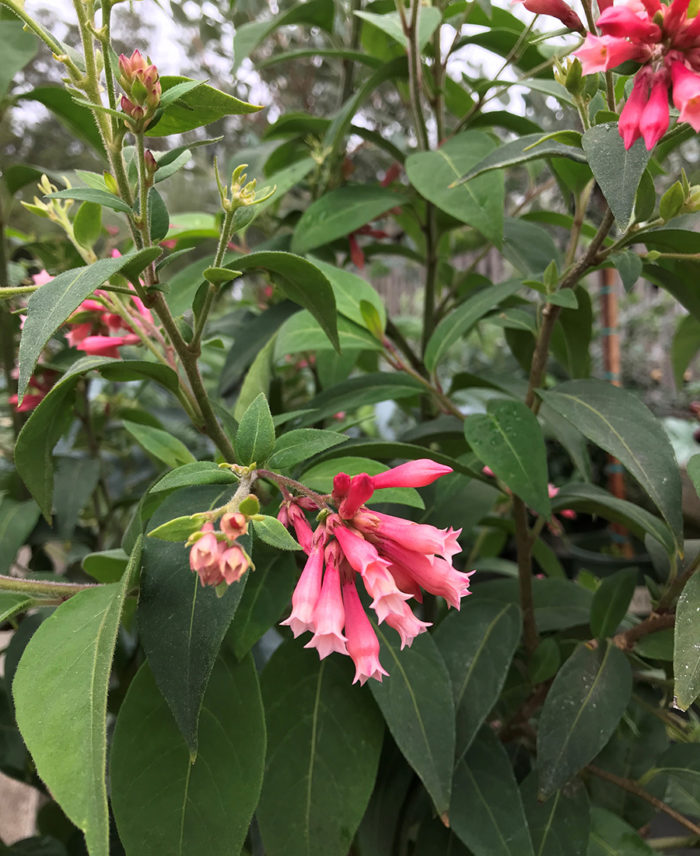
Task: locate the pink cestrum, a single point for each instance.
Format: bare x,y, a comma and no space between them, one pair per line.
667,43
329,615
362,643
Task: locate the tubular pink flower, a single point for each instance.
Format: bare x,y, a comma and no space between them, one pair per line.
686,94
362,644
653,123
361,489
106,346
233,525
306,594
233,563
78,333
42,277
329,615
631,115
302,529
341,486
555,9
415,536
601,53
432,574
412,474
406,625
386,596
362,556
621,22
205,555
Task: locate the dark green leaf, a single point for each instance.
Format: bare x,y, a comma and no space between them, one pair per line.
200,472
611,600
53,303
629,266
87,224
417,704
351,291
340,212
460,321
617,170
477,644
527,246
91,194
302,333
201,106
559,604
181,624
686,663
684,346
581,711
480,202
618,422
18,48
17,519
524,149
106,566
75,481
324,739
161,444
11,604
60,691
179,528
159,219
545,661
164,803
611,836
487,811
560,826
255,438
78,120
19,175
296,446
272,532
509,440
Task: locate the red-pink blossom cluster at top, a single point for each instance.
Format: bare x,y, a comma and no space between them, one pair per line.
667,43
216,556
93,328
394,559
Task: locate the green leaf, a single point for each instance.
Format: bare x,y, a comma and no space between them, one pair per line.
87,224
53,303
477,644
618,422
255,439
509,440
60,691
302,333
545,661
159,219
11,604
611,836
161,444
201,106
181,623
220,276
487,812
302,282
324,740
678,769
320,477
266,596
351,291
560,826
527,246
296,446
611,600
257,380
597,501
480,202
75,481
559,604
17,519
522,150
617,170
107,566
44,427
686,663
340,212
271,531
179,528
78,120
684,346
629,266
200,472
164,803
461,320
19,175
581,711
91,194
390,23
18,48
417,704
693,470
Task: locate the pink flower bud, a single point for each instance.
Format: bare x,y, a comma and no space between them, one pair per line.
233,563
631,115
555,9
204,557
341,486
686,94
601,53
653,123
329,614
622,22
413,474
306,594
233,525
361,489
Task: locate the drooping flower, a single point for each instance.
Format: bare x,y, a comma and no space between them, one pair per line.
92,327
395,559
667,43
555,9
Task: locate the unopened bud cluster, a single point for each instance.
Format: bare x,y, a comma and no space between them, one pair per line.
241,192
139,79
216,555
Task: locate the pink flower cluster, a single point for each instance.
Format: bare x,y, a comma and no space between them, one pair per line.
93,327
395,559
216,556
140,80
667,43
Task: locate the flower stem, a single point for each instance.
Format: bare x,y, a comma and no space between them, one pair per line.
43,587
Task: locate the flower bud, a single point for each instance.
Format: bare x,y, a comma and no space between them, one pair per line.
233,525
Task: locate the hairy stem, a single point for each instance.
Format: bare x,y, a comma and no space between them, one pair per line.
43,587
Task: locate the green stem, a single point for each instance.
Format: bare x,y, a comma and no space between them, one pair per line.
224,238
285,481
410,28
53,44
7,329
431,270
43,587
524,543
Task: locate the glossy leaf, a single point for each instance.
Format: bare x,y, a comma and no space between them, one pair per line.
255,438
686,663
60,691
580,713
524,149
350,292
477,644
618,422
487,812
341,211
508,439
560,826
164,803
54,302
200,472
417,704
301,333
324,740
161,444
559,604
17,519
611,601
272,532
199,106
301,444
461,320
617,170
479,203
181,623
